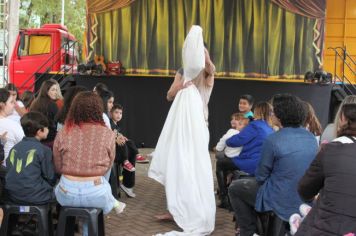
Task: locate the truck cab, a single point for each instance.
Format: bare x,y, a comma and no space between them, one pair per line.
49,49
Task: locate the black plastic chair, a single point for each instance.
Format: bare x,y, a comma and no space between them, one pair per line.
43,213
270,224
66,223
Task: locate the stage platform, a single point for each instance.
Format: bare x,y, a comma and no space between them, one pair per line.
146,107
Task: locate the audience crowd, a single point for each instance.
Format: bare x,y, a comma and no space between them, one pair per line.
61,150
274,162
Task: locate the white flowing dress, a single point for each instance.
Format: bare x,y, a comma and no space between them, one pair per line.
181,162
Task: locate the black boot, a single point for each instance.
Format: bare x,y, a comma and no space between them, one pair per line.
224,203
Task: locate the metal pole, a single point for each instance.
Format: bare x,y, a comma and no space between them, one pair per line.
343,65
335,67
62,18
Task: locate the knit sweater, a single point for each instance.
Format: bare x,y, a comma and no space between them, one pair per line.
88,150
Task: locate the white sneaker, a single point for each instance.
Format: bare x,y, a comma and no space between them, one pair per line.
129,191
304,209
294,221
120,208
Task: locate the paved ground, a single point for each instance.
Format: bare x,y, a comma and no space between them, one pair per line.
138,218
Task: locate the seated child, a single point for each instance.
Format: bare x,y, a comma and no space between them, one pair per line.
30,174
116,116
238,122
224,163
126,152
245,105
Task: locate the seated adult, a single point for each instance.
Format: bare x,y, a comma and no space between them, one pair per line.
330,132
250,139
286,154
332,175
84,151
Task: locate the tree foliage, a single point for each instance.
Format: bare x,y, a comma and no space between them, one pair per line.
34,13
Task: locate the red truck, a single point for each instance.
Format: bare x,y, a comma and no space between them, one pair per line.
48,49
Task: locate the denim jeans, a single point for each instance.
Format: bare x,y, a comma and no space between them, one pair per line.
85,194
107,175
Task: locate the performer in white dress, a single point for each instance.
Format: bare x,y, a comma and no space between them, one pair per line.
181,160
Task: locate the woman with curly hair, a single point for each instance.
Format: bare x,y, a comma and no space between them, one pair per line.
285,156
84,151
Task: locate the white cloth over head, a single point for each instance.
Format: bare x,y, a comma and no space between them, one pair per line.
181,161
193,53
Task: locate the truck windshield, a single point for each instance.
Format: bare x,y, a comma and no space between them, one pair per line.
31,45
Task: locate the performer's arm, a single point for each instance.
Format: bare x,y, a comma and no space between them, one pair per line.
209,69
177,85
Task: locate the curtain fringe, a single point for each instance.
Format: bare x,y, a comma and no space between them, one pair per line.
316,37
95,37
152,72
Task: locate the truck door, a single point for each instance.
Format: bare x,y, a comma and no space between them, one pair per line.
32,55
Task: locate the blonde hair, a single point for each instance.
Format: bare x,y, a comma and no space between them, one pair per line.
263,111
351,99
238,116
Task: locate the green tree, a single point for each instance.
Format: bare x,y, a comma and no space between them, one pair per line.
34,13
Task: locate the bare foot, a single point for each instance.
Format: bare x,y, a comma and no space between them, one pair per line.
166,216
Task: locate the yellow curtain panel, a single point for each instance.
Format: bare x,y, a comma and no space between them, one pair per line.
246,38
39,44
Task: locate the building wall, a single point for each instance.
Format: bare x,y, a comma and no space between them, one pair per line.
340,31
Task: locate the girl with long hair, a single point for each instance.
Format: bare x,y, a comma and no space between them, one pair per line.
45,103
